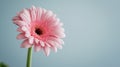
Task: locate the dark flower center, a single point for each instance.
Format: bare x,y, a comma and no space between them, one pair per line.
38,31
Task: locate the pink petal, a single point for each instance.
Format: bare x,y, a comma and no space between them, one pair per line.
26,12
31,40
58,29
33,13
47,44
26,44
43,16
37,47
24,28
59,32
47,51
42,43
36,41
59,46
47,16
58,40
60,35
27,34
52,22
21,36
39,14
54,49
19,29
19,23
16,18
51,43
55,44
25,18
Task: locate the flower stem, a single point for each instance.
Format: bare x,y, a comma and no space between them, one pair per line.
29,57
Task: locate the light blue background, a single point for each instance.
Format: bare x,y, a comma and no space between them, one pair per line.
92,30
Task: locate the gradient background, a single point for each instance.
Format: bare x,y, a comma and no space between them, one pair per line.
92,33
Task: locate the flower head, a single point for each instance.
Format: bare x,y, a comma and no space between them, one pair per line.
40,28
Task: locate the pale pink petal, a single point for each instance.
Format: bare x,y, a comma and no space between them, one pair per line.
60,41
54,49
51,43
47,51
39,14
27,33
33,13
26,44
47,44
36,40
21,36
58,29
24,28
24,18
31,40
19,29
47,16
26,12
16,18
52,22
55,44
58,46
60,35
37,47
42,43
43,16
19,23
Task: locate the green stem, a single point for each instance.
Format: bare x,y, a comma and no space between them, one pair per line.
29,57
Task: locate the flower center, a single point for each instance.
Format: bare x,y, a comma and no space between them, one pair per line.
38,31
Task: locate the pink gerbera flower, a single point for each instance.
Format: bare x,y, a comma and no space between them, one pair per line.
39,28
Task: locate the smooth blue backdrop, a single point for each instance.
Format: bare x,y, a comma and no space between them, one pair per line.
92,30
